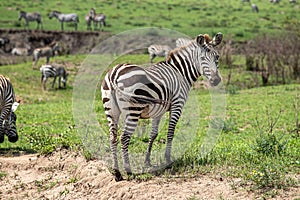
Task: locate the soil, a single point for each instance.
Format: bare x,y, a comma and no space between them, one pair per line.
68,175
71,42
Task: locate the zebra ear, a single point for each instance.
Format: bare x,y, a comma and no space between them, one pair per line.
217,39
200,39
15,106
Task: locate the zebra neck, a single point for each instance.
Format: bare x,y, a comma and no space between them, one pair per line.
184,66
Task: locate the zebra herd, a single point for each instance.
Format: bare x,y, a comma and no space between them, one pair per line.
92,16
142,93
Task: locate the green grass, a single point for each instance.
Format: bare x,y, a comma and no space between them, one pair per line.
246,148
189,17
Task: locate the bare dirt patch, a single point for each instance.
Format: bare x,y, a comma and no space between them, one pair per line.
67,175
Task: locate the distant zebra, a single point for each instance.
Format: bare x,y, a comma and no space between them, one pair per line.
142,93
180,42
73,17
254,8
158,50
35,16
98,19
293,1
3,42
274,1
53,71
88,21
47,52
19,51
8,106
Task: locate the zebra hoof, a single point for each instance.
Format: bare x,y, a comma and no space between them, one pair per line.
13,139
118,176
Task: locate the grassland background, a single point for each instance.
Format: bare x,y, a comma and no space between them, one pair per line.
232,17
45,120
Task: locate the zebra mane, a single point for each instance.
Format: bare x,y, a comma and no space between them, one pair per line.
174,51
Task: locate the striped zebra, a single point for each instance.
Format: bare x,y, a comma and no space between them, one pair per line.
180,42
8,106
88,21
142,93
98,19
47,52
158,50
19,51
53,71
73,17
35,16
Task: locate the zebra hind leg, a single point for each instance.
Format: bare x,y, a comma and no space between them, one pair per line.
131,122
153,135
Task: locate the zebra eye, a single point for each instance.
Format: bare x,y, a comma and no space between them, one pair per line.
202,58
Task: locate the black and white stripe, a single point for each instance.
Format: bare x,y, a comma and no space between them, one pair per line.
158,50
53,71
47,52
28,17
181,42
150,92
8,106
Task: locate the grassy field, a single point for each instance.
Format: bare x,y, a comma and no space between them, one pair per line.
258,141
233,18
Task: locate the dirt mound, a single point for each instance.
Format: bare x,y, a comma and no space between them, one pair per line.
71,42
67,175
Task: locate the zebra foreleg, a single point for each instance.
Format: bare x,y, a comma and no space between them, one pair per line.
152,56
153,135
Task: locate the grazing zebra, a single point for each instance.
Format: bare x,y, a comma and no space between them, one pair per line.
54,71
8,106
142,93
98,19
18,51
35,16
254,8
47,52
158,50
180,42
73,17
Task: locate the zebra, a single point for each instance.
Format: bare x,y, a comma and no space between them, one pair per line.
180,42
35,16
54,71
47,52
293,1
19,51
73,17
142,93
88,20
8,106
254,8
98,19
158,50
3,42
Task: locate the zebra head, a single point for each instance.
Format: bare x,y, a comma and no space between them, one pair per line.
54,14
9,125
209,57
22,14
